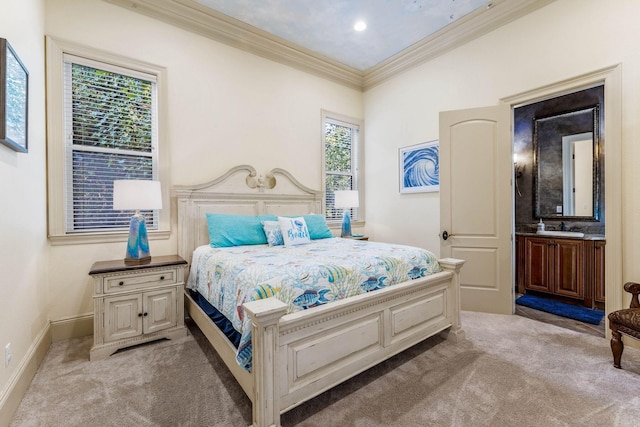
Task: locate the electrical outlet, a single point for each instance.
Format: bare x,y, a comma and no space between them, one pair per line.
7,355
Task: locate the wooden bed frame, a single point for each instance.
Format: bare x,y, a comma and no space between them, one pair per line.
298,356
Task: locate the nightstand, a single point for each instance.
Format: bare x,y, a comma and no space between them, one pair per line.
134,304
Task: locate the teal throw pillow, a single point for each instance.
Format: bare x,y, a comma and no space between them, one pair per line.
235,230
317,226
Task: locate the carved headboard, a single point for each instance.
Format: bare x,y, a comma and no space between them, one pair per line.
239,191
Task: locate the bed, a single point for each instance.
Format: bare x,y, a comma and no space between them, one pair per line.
297,355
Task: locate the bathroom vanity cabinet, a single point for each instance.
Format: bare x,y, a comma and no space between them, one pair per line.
563,267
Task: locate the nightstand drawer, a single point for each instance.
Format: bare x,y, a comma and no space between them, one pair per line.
142,279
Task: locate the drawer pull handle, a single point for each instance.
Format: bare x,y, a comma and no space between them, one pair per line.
139,314
145,314
161,277
121,283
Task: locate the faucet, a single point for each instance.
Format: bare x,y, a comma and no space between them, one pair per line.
563,227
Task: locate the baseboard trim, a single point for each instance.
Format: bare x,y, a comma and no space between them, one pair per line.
21,380
72,327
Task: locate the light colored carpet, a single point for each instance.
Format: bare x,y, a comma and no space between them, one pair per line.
510,371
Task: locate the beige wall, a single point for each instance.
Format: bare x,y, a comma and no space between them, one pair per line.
563,40
23,241
226,107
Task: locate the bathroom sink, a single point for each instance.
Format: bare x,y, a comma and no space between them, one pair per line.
561,233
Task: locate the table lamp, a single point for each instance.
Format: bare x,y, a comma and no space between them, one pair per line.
138,195
346,199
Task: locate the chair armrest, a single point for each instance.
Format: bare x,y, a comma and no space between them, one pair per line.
633,288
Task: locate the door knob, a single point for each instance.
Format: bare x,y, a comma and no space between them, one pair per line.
446,235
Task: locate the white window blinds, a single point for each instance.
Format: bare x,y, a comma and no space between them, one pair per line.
341,140
110,133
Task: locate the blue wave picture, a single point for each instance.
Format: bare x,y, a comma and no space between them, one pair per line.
420,168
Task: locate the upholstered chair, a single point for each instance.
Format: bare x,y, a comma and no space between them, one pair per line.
625,321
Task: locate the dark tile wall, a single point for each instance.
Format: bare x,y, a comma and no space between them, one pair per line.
525,220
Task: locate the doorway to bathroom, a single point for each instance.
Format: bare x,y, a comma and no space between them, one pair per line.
559,209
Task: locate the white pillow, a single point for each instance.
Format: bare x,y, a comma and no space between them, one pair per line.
294,231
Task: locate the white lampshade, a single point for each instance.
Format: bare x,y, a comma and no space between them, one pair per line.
346,199
136,194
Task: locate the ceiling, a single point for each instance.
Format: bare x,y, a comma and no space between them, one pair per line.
317,36
326,27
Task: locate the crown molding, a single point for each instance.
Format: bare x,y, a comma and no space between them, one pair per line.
465,29
192,16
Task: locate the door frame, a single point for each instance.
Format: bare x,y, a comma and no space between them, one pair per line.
611,78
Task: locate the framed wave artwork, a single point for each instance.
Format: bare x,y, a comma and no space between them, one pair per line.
420,167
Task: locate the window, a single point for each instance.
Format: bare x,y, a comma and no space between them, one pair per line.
103,121
342,142
109,123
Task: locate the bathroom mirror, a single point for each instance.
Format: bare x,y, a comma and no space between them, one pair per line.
565,164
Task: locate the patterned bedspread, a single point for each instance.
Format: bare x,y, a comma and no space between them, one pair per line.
301,276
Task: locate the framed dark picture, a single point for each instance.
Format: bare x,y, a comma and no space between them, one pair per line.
14,95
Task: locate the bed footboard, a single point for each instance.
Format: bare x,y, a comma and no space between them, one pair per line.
300,355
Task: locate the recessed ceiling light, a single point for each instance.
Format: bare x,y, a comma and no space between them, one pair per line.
360,26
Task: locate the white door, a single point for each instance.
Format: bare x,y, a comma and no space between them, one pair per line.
476,206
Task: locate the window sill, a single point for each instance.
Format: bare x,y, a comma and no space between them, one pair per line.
86,238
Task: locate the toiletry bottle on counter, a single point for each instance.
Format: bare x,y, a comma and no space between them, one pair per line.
541,225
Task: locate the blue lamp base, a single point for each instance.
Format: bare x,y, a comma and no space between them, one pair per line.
346,224
138,243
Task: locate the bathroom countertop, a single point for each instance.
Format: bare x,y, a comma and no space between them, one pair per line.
586,236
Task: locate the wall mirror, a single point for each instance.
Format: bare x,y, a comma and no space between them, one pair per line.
565,164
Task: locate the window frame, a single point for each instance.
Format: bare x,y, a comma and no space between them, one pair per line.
57,149
357,164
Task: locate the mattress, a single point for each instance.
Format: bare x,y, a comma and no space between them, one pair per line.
302,277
